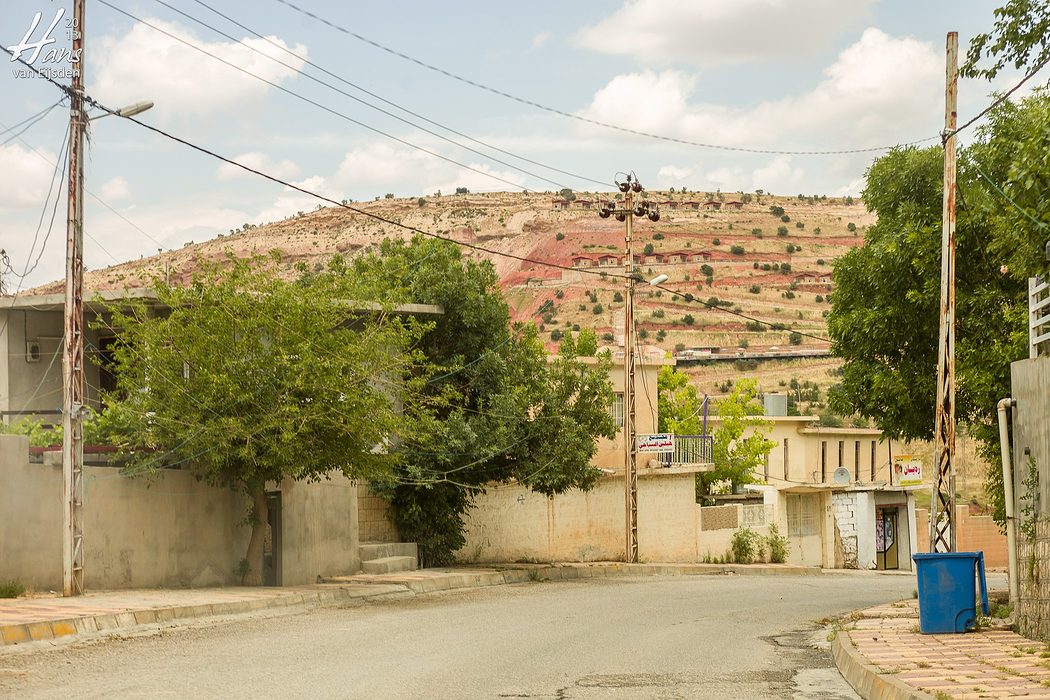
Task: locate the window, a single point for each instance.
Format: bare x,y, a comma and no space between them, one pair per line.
873,460
842,449
856,460
785,458
803,515
616,410
823,461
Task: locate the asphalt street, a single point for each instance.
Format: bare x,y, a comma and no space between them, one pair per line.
652,637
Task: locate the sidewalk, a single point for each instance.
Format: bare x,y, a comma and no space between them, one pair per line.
883,655
40,619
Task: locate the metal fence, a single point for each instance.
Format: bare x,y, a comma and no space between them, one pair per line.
1038,317
689,449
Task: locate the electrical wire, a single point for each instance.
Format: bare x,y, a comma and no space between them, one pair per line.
34,119
1015,205
995,103
319,105
382,99
580,118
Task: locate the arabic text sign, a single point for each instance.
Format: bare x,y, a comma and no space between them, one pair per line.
909,470
661,442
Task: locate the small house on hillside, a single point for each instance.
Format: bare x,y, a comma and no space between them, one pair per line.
734,205
670,204
712,204
582,261
608,260
559,204
691,205
584,203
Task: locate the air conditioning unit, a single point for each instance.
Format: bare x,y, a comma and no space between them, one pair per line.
32,351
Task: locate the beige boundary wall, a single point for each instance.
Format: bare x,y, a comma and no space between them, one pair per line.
169,531
509,523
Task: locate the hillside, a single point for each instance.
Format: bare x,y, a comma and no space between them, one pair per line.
775,268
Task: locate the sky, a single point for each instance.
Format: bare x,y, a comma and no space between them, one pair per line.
771,75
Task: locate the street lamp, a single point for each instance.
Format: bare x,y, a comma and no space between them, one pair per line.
128,111
629,188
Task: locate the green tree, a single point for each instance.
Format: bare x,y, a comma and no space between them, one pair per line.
587,343
499,409
250,379
740,442
884,313
648,249
679,405
1021,38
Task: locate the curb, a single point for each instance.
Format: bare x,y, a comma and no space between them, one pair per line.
389,586
865,678
47,630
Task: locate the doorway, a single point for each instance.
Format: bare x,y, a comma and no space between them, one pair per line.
886,535
271,564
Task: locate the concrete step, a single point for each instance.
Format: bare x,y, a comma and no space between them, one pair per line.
388,565
378,550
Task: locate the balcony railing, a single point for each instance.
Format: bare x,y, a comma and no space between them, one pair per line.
1038,317
688,449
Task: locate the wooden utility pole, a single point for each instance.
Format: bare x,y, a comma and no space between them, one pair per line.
630,436
942,516
73,357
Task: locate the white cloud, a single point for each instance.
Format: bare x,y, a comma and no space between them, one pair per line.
540,40
260,161
712,32
24,176
778,175
114,189
881,90
145,64
672,174
382,168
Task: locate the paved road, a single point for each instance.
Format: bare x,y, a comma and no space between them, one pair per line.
675,637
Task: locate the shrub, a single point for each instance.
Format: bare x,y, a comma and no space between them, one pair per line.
617,297
817,230
789,294
737,250
747,546
785,267
776,210
559,236
556,335
658,236
790,248
648,250
608,337
777,544
799,224
597,309
707,270
11,589
820,261
767,267
795,338
576,327
559,294
819,299
755,264
851,227
785,218
642,333
421,202
756,232
754,289
688,320
743,343
661,334
782,230
716,241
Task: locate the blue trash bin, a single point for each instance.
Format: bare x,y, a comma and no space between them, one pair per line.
947,592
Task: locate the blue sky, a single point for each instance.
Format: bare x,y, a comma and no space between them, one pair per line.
769,74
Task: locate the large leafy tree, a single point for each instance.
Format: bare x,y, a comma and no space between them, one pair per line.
246,379
497,408
884,315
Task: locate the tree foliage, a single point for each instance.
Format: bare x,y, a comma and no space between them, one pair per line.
248,379
884,316
1021,38
498,409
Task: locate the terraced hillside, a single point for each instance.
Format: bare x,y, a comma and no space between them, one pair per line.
739,253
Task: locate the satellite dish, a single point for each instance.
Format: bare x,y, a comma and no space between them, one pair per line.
841,476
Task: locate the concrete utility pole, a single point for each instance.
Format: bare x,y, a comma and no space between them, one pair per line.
73,358
942,510
630,435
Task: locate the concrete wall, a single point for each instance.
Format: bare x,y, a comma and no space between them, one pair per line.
845,509
974,533
510,523
319,533
1030,386
170,531
166,531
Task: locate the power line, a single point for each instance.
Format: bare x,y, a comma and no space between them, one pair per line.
1015,205
472,246
995,103
577,117
34,119
343,80
319,105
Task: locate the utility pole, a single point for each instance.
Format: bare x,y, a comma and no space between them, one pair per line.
630,436
73,358
942,515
